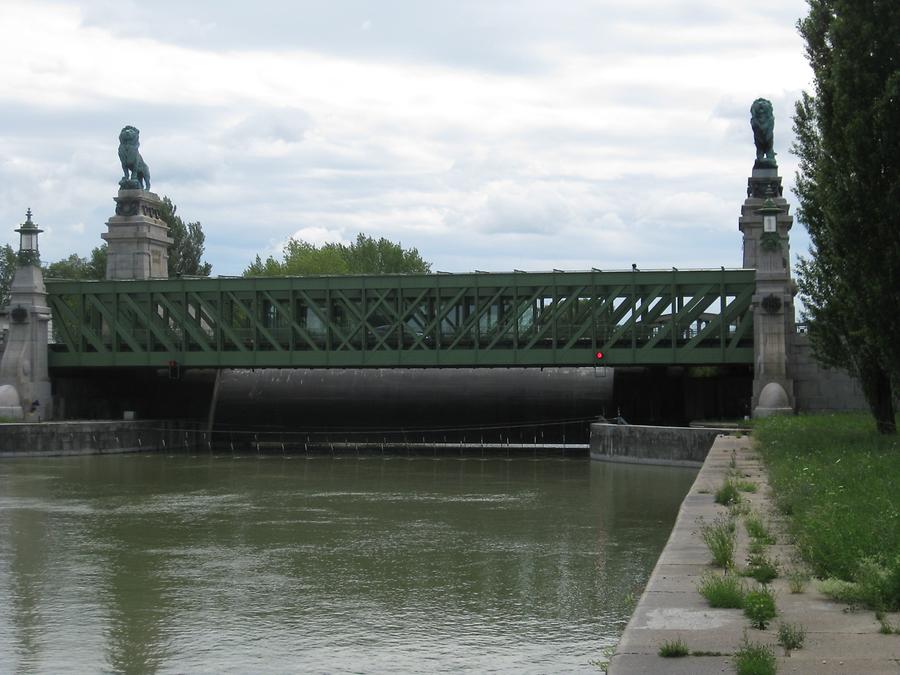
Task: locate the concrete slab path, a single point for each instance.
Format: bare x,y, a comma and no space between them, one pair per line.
838,640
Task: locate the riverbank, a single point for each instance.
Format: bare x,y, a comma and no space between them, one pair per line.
671,609
97,437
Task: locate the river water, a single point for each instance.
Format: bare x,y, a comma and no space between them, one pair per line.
151,563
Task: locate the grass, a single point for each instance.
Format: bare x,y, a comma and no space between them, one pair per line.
719,538
797,580
754,658
727,494
722,591
791,636
757,530
836,478
759,607
673,649
745,485
761,567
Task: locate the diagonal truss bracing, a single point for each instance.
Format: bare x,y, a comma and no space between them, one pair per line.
690,317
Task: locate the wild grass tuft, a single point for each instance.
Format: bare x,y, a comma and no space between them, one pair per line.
754,658
791,636
797,580
727,494
759,607
673,649
719,538
761,567
837,479
757,530
745,485
722,591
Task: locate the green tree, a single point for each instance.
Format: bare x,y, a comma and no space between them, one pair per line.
8,262
76,267
364,256
848,186
186,254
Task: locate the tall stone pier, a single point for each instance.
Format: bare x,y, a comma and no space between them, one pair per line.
765,223
138,238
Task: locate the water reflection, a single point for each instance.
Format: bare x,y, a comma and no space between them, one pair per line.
159,564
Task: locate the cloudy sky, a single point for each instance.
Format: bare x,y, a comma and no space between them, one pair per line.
489,134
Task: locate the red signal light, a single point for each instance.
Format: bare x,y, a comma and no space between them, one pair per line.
599,356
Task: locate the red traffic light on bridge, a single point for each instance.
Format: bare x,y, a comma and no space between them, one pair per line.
599,355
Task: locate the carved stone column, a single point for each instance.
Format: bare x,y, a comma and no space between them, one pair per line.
765,223
138,238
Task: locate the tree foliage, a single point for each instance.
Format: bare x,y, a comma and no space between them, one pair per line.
186,254
7,272
364,256
848,186
76,267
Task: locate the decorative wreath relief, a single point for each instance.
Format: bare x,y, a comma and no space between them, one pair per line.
19,314
770,241
771,303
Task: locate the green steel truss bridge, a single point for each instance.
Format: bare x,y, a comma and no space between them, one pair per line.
531,319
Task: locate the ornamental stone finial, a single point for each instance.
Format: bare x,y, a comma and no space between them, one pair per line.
762,121
137,173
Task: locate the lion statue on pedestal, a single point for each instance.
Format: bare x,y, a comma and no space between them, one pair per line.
762,121
137,174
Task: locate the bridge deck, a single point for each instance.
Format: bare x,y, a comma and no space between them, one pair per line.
434,320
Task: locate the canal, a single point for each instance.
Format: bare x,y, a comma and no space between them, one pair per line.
241,563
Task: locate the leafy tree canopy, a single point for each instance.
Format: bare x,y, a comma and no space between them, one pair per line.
7,272
186,254
364,256
848,186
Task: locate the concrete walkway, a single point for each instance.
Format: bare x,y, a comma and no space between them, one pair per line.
837,640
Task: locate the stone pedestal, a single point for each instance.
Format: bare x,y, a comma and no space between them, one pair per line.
24,379
765,223
138,238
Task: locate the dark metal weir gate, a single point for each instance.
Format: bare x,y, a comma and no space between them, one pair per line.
531,319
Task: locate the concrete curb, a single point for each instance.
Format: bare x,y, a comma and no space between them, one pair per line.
837,640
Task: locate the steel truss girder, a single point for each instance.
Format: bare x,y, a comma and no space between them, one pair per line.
687,317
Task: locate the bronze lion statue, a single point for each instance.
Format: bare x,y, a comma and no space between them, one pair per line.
137,174
762,121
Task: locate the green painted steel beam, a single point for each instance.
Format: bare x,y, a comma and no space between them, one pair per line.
689,317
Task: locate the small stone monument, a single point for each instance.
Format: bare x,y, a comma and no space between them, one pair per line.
24,379
765,223
137,236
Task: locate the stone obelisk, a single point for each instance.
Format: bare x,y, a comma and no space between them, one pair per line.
137,236
765,223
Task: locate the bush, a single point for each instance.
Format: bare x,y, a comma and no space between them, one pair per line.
797,580
791,636
745,485
719,538
755,659
722,591
759,607
673,649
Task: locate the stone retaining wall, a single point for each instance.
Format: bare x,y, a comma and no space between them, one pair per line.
674,446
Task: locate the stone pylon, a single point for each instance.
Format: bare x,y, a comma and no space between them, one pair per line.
25,391
138,238
765,223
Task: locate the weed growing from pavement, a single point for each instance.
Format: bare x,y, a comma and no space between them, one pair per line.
759,607
723,591
673,649
719,538
754,658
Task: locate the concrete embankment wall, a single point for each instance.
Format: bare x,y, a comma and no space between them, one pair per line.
674,446
94,437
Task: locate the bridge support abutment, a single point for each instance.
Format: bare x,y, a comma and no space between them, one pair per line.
765,223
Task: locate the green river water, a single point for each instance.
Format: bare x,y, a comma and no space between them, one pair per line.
247,564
